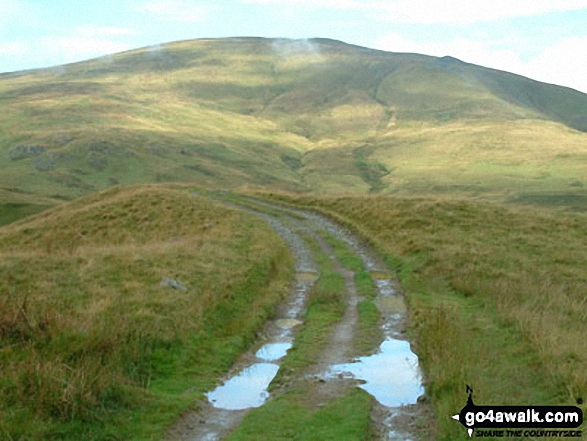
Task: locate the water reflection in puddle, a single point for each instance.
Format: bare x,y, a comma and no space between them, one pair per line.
273,351
391,376
245,390
384,286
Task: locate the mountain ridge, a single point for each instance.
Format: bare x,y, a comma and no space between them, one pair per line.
294,114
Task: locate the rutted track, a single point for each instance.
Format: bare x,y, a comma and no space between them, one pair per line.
326,379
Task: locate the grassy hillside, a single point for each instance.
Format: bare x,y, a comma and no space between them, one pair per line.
315,115
90,339
92,344
496,295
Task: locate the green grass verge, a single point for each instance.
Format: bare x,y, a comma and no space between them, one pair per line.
495,296
325,307
289,417
368,335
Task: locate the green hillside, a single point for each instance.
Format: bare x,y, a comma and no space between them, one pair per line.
316,115
89,331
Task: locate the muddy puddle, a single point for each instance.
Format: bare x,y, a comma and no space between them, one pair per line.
391,375
247,388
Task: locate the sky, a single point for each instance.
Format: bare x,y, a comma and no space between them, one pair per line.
545,40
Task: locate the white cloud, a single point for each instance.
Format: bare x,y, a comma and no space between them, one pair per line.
8,7
564,63
175,10
439,11
83,42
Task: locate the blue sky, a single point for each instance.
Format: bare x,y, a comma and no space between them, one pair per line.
542,39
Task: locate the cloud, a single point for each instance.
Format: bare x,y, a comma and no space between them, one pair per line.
333,4
292,48
472,51
8,7
174,10
563,63
437,11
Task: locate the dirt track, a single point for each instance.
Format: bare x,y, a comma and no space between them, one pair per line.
294,226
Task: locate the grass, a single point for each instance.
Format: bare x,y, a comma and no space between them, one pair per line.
368,336
10,212
289,418
496,295
325,307
93,346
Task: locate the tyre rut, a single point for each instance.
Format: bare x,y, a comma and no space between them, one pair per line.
209,423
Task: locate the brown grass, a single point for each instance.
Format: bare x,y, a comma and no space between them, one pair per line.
497,295
87,328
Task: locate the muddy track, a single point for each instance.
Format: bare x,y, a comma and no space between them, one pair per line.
328,378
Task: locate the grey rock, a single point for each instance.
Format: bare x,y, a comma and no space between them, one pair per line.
172,283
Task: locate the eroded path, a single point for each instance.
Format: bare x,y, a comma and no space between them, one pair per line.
389,373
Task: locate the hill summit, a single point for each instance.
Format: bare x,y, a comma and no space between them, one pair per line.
313,115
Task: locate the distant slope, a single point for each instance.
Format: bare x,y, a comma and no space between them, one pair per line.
316,115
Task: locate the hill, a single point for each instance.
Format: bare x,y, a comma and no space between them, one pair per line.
312,115
90,332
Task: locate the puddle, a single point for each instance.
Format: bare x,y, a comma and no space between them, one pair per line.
245,390
273,351
248,389
391,376
384,287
